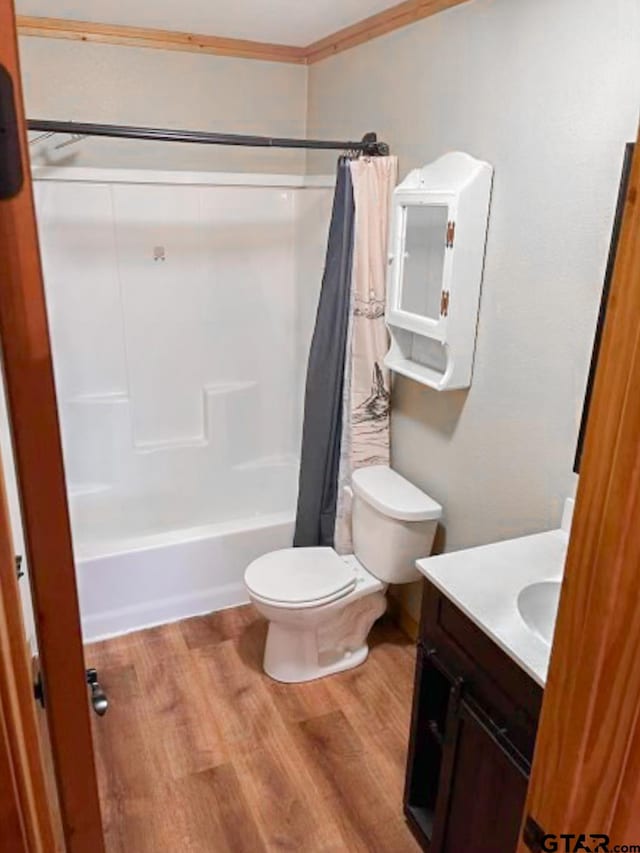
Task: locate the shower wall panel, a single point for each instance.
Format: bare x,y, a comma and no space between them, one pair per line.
180,319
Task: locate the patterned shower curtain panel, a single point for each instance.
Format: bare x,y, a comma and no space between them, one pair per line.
366,388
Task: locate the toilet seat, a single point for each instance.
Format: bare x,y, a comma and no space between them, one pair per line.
300,577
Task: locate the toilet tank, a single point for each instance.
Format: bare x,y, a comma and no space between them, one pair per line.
393,523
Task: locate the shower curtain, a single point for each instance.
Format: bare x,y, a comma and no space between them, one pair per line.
322,426
347,397
366,387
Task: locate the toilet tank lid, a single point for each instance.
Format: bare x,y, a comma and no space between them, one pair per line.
392,495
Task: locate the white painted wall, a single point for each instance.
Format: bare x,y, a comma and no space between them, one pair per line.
547,92
112,84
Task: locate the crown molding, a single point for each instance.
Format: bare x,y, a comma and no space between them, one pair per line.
401,15
371,28
159,39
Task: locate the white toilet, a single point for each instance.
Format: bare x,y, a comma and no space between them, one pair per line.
321,606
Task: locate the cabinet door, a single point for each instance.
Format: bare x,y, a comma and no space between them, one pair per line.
487,789
433,728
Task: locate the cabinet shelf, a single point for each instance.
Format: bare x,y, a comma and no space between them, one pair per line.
421,373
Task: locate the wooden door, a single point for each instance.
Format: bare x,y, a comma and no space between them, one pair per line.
12,832
586,769
26,813
36,438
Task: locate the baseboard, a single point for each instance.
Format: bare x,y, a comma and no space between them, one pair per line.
403,619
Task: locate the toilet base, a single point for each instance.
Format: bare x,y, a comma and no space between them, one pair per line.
296,652
292,666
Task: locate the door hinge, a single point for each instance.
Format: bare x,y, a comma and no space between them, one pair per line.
533,835
19,569
444,303
451,234
11,173
38,689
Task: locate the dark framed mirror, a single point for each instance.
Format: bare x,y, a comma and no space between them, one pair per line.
613,248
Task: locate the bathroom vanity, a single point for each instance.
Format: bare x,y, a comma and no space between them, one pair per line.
487,621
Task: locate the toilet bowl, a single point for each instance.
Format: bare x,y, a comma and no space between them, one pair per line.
320,605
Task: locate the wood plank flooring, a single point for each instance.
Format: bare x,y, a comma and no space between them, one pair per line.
203,753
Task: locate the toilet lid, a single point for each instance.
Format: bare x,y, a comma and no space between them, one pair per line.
300,575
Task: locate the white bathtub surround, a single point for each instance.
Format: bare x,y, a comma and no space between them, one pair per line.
178,313
510,590
96,175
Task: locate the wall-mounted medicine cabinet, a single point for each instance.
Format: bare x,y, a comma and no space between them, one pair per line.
438,233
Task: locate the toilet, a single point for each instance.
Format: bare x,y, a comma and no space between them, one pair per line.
320,605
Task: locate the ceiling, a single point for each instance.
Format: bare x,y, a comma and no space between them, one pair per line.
293,22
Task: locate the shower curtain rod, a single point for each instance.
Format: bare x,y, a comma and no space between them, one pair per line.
367,145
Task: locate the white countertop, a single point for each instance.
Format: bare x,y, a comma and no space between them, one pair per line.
484,582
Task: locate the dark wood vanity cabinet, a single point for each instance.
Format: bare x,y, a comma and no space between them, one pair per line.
473,728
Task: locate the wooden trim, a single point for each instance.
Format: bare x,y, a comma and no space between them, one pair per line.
19,727
377,25
370,28
159,39
31,398
13,832
586,771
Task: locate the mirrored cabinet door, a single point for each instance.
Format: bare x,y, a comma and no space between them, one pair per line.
423,259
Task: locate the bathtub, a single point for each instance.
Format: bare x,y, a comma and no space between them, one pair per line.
146,558
163,577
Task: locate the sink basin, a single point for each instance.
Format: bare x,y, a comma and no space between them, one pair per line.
538,606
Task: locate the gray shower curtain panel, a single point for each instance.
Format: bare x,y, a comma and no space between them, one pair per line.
322,428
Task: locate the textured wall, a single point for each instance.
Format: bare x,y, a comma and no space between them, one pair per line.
139,86
547,92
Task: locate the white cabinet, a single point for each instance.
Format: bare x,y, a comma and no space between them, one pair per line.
438,233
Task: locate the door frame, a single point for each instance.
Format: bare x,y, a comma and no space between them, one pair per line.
586,768
26,819
33,415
